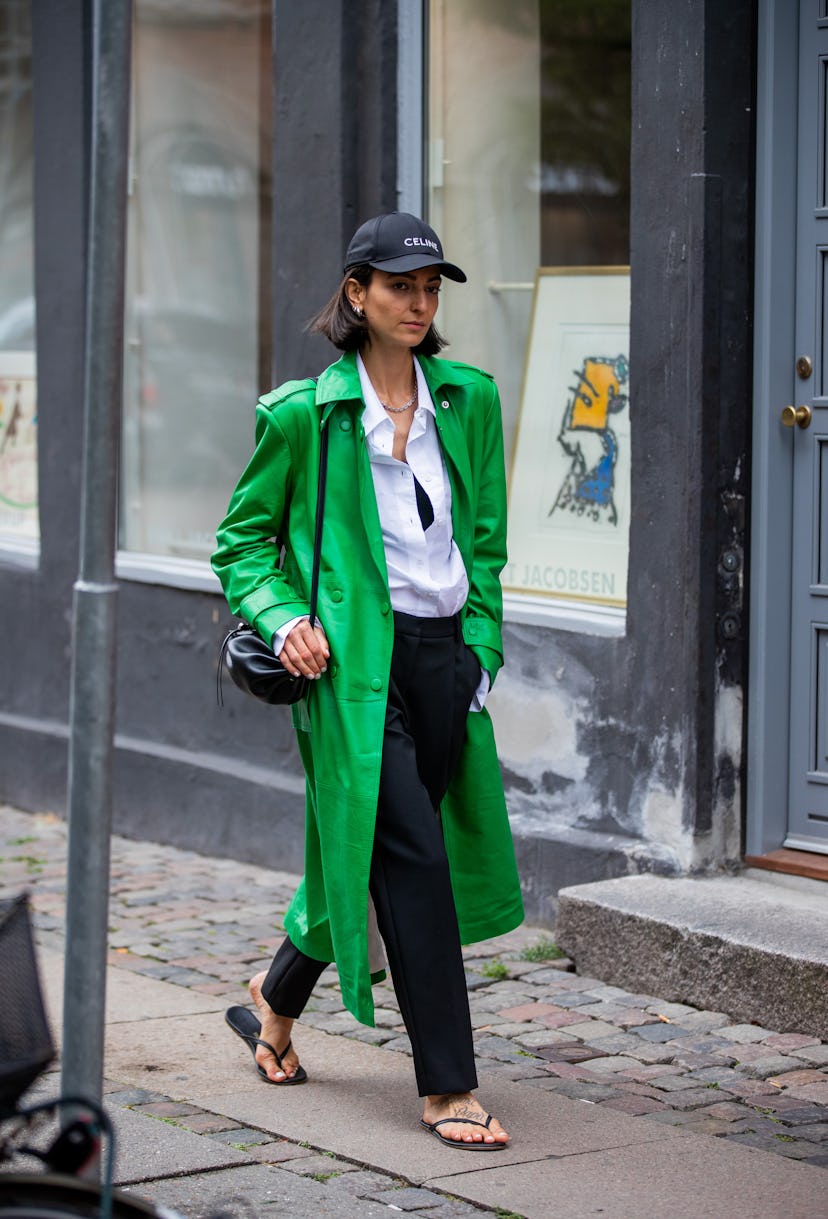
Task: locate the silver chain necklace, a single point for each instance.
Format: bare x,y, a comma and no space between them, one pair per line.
398,410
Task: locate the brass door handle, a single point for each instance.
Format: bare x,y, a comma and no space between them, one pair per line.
799,415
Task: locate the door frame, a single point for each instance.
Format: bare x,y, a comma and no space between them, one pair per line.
769,674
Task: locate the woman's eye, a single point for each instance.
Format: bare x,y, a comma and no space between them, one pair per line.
434,289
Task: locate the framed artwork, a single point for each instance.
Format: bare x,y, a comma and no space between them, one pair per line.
569,484
18,446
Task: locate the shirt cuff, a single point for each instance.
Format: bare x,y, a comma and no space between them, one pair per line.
479,699
279,637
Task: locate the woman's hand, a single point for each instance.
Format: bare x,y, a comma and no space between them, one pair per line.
305,651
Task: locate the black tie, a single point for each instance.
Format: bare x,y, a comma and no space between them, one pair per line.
424,505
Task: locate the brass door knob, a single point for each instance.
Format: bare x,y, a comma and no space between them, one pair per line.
799,415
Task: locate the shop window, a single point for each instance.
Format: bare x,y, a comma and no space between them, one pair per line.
198,271
19,527
528,184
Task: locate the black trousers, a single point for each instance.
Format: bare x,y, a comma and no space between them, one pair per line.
433,678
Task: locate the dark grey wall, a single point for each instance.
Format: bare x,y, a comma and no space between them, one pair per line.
652,778
334,156
35,606
692,296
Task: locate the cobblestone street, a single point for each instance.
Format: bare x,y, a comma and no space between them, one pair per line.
208,924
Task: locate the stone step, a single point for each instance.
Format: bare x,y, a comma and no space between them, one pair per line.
753,945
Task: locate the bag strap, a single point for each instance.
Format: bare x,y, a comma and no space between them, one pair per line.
317,550
320,513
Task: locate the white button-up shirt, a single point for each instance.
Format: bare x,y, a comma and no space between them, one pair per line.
426,573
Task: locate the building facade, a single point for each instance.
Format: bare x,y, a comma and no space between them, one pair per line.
635,190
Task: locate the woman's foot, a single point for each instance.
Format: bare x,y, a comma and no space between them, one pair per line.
462,1105
277,1031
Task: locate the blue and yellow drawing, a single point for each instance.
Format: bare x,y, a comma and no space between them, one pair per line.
588,489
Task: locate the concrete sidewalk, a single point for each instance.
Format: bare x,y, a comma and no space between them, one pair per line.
619,1105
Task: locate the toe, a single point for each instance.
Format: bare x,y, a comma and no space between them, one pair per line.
460,1113
277,1073
269,1065
461,1134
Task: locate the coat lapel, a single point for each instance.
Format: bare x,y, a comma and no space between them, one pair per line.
368,505
339,391
445,382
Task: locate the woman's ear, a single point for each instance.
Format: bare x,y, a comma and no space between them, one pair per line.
355,292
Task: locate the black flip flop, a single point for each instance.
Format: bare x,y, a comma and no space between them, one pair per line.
245,1025
458,1144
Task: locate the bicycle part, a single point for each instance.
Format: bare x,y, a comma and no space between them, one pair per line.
95,1128
73,1151
43,1196
26,1047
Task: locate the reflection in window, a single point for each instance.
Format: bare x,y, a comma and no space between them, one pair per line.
197,324
18,400
529,145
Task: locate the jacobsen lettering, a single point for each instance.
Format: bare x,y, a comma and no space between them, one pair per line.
570,580
432,245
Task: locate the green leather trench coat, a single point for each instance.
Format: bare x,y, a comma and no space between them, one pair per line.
340,724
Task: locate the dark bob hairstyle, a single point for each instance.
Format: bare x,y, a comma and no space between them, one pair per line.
349,331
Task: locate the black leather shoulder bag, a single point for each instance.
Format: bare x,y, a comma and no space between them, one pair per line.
245,655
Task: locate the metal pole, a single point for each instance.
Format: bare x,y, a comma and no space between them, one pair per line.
92,708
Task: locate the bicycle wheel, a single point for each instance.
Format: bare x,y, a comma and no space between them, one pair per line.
42,1196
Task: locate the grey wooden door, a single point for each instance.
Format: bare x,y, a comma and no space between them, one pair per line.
807,432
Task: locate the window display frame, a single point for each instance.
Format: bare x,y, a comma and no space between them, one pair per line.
20,368
572,554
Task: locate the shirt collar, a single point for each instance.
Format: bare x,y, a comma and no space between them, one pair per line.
375,414
340,381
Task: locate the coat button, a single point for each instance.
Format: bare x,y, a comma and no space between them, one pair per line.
376,683
444,405
336,595
345,425
332,670
385,607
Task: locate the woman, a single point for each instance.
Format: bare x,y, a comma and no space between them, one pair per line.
406,820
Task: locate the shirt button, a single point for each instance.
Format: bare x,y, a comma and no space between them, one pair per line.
336,595
376,683
345,425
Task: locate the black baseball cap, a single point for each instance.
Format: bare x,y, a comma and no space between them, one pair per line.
398,241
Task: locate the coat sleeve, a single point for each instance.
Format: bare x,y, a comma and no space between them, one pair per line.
246,559
484,608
